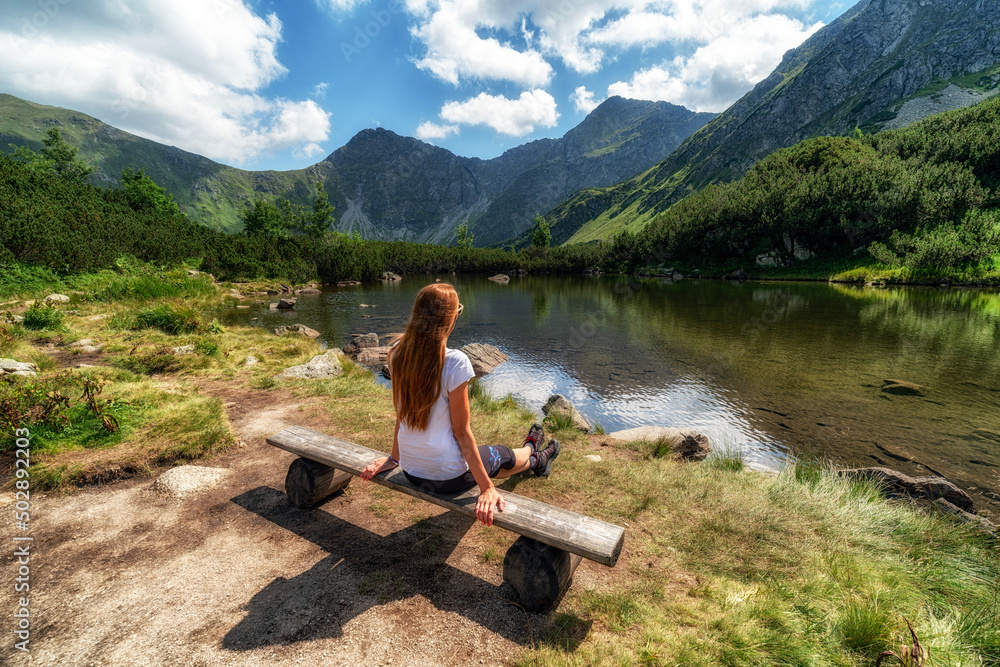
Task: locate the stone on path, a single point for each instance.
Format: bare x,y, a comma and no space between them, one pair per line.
18,368
321,367
86,346
686,443
56,298
185,480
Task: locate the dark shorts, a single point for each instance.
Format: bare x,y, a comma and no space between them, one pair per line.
494,459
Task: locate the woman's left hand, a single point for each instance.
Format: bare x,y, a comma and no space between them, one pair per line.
377,466
488,499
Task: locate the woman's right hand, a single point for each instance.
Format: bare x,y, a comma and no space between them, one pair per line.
488,499
375,467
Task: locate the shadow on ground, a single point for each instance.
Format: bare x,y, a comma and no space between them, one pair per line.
365,569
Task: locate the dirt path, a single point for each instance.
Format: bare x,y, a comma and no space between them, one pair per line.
123,575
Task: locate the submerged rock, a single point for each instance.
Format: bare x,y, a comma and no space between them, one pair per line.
500,278
901,388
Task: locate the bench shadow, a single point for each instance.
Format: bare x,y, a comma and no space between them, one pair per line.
364,570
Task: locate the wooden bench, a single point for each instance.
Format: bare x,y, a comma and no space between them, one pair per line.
539,565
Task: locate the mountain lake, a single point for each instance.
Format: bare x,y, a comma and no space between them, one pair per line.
774,370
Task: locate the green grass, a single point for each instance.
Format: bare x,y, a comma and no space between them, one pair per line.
734,567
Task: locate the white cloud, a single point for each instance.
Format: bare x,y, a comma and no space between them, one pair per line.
534,108
319,90
455,51
428,131
340,6
473,38
719,73
186,74
583,99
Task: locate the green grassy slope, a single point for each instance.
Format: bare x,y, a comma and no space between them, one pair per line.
208,192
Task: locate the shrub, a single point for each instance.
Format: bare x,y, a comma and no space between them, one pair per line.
973,240
43,317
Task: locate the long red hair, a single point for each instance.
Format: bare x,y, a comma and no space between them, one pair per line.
415,362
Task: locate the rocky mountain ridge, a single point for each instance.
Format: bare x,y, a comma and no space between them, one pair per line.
384,185
859,71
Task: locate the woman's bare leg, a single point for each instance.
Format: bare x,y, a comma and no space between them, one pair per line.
521,455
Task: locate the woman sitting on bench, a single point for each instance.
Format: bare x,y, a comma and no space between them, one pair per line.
433,441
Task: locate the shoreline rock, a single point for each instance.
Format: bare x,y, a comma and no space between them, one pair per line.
686,444
895,483
320,367
559,404
297,328
484,357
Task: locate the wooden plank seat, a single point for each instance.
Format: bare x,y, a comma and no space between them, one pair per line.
539,565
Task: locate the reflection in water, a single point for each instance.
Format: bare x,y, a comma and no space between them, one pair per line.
768,368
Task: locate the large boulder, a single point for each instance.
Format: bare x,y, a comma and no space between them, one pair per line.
686,444
308,291
300,329
20,368
56,298
391,277
361,342
897,483
559,404
286,304
485,358
321,367
500,278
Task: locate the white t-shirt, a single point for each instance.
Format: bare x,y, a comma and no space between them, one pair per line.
434,454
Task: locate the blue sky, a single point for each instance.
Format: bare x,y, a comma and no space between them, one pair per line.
279,84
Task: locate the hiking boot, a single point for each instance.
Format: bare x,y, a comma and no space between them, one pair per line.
545,457
535,437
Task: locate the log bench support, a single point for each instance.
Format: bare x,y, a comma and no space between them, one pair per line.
308,483
539,566
538,573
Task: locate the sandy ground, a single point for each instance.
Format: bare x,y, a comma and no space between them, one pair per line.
123,575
